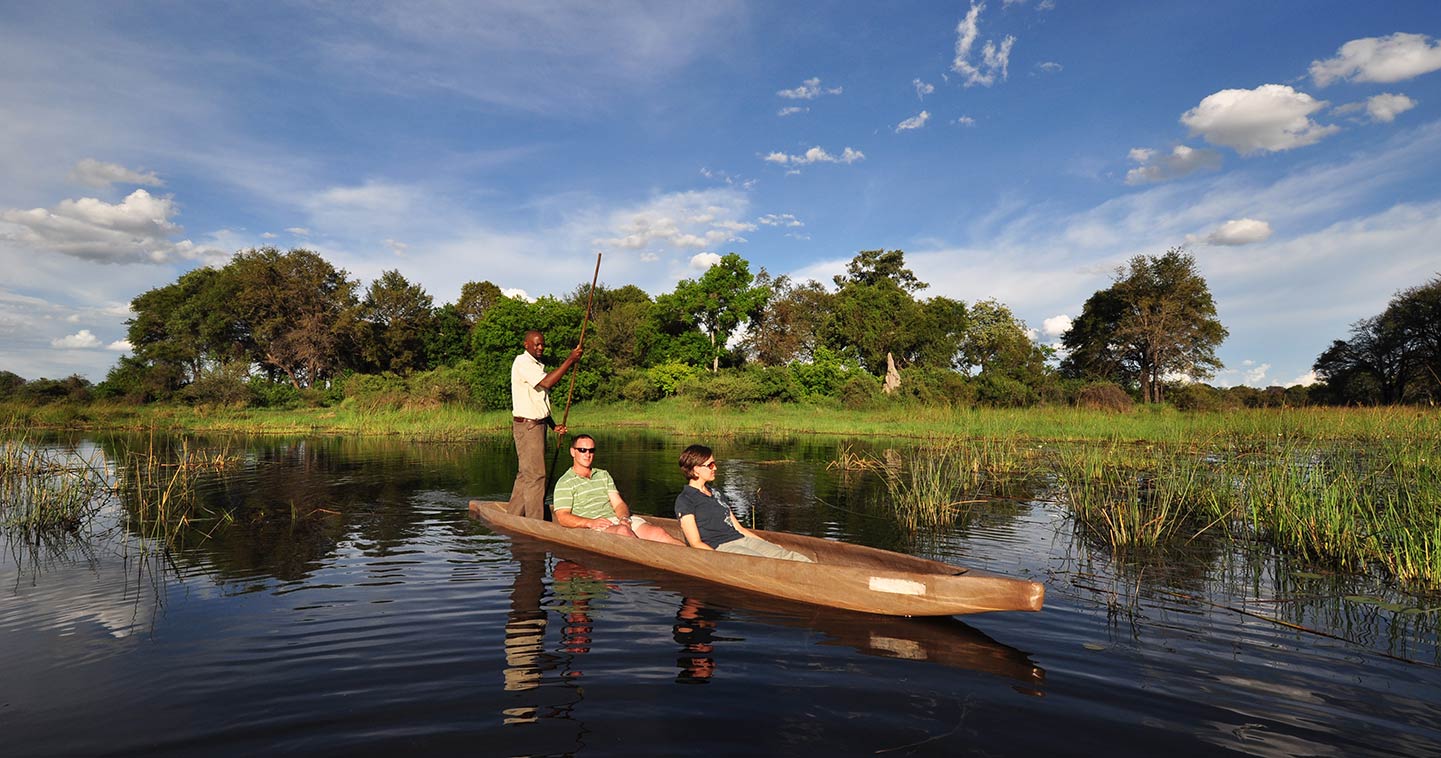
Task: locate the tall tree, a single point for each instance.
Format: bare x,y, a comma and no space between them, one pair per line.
183,328
873,266
1157,318
395,320
719,301
1390,358
475,299
295,310
790,326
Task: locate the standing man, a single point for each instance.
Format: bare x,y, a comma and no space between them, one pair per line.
530,415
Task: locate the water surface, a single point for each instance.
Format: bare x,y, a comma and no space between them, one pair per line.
333,597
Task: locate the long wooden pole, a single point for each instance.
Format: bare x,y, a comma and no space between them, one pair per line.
565,417
585,322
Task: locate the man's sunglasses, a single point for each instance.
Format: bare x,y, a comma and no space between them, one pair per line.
583,449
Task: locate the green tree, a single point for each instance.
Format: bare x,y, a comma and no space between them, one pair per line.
873,266
475,299
496,341
718,302
790,326
184,328
296,312
448,341
875,313
395,321
1156,319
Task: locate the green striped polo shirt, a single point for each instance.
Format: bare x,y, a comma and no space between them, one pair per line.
586,498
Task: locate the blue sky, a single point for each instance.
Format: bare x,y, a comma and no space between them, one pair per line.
1015,150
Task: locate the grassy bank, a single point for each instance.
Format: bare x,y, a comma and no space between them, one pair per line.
449,423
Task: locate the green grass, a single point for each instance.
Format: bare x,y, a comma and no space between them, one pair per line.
451,423
1358,489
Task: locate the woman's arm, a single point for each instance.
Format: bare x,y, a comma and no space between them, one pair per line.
692,532
735,522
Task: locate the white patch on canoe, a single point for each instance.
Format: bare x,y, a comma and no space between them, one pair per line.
897,586
908,649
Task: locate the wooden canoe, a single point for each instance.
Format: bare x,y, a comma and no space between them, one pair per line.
943,640
852,577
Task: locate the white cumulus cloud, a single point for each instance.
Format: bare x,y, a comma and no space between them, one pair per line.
93,173
81,340
815,155
1056,325
922,88
791,110
1050,67
914,122
994,59
1384,108
810,89
1272,117
135,230
1395,58
679,221
703,261
1240,231
120,346
1160,167
780,219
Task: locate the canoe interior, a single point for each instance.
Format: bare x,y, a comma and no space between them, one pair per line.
852,577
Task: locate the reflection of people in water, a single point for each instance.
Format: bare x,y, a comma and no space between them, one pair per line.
694,629
577,586
525,630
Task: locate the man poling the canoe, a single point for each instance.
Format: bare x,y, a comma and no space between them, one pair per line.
530,387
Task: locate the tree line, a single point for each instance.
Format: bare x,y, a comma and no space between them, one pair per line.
279,328
1393,357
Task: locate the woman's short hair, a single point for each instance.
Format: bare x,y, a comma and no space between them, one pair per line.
691,457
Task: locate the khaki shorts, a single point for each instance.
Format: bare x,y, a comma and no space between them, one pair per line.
635,523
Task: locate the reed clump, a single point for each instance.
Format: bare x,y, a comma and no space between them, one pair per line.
45,490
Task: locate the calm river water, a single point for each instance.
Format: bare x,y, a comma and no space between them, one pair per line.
346,604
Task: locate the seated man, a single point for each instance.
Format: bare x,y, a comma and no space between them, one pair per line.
586,497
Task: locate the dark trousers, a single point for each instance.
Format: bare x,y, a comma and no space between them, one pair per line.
527,497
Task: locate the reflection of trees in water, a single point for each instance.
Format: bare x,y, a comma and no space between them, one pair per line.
289,504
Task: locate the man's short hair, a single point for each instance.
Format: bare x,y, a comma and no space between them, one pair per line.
577,438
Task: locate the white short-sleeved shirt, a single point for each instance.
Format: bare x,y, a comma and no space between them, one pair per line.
525,400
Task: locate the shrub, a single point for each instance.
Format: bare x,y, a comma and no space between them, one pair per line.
635,385
1104,396
1002,391
668,377
441,386
376,391
224,385
1200,397
859,390
727,387
935,386
267,394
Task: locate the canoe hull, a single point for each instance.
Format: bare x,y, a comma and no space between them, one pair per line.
852,577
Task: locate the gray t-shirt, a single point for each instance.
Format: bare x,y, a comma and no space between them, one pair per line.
712,518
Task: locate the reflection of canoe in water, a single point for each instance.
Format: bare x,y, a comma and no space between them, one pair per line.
945,641
852,577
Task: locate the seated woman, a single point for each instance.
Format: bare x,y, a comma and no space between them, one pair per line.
586,497
707,522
